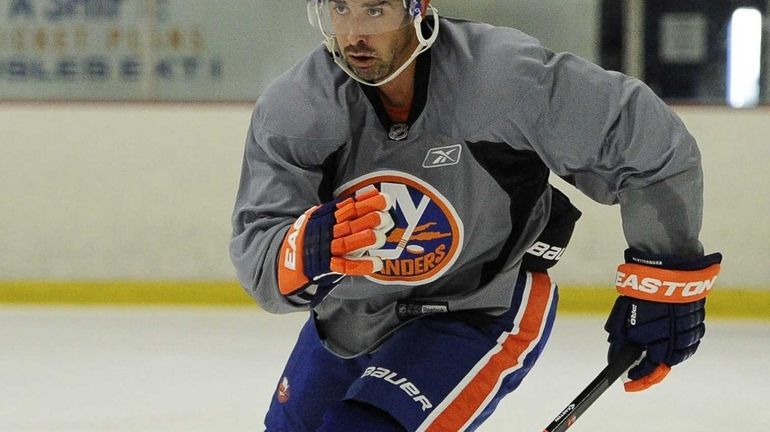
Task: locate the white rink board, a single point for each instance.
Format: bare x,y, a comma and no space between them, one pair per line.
114,191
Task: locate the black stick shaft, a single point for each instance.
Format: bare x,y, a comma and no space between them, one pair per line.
624,359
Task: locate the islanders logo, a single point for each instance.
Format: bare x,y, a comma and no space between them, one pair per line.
428,233
283,391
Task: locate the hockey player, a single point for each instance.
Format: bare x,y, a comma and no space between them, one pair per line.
395,185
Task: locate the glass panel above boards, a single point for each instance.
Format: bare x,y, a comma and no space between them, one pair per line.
691,51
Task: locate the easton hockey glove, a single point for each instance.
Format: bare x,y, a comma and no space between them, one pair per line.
661,309
329,242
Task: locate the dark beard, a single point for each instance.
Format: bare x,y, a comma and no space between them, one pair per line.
374,73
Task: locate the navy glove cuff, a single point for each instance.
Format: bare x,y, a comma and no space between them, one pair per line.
671,262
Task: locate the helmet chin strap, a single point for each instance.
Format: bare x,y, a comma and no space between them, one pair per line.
331,44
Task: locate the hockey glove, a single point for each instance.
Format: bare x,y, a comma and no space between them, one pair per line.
661,309
330,241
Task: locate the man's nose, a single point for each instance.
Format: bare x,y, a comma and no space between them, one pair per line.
357,38
356,31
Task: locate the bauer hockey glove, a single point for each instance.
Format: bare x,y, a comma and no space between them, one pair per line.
661,309
329,242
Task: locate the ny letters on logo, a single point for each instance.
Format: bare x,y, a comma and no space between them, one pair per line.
412,215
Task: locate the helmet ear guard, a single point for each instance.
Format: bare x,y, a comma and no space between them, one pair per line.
414,7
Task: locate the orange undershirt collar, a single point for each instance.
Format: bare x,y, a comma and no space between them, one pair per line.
398,114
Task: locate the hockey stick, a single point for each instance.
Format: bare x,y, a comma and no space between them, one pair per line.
624,359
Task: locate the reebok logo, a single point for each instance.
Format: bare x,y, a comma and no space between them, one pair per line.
442,156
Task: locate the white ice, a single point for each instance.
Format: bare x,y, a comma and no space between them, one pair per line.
208,369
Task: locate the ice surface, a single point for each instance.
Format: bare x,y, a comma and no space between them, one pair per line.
208,369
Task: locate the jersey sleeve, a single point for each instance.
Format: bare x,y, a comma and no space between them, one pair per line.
279,181
616,141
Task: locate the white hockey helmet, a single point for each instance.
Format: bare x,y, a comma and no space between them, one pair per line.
366,18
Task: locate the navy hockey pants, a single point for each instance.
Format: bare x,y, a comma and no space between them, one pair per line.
437,373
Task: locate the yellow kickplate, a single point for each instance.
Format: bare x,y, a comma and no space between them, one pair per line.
723,302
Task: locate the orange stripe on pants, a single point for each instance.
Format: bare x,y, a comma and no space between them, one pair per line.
469,401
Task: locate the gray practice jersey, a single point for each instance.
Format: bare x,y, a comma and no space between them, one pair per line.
494,113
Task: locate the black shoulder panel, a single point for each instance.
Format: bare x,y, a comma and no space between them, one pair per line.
524,177
329,167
